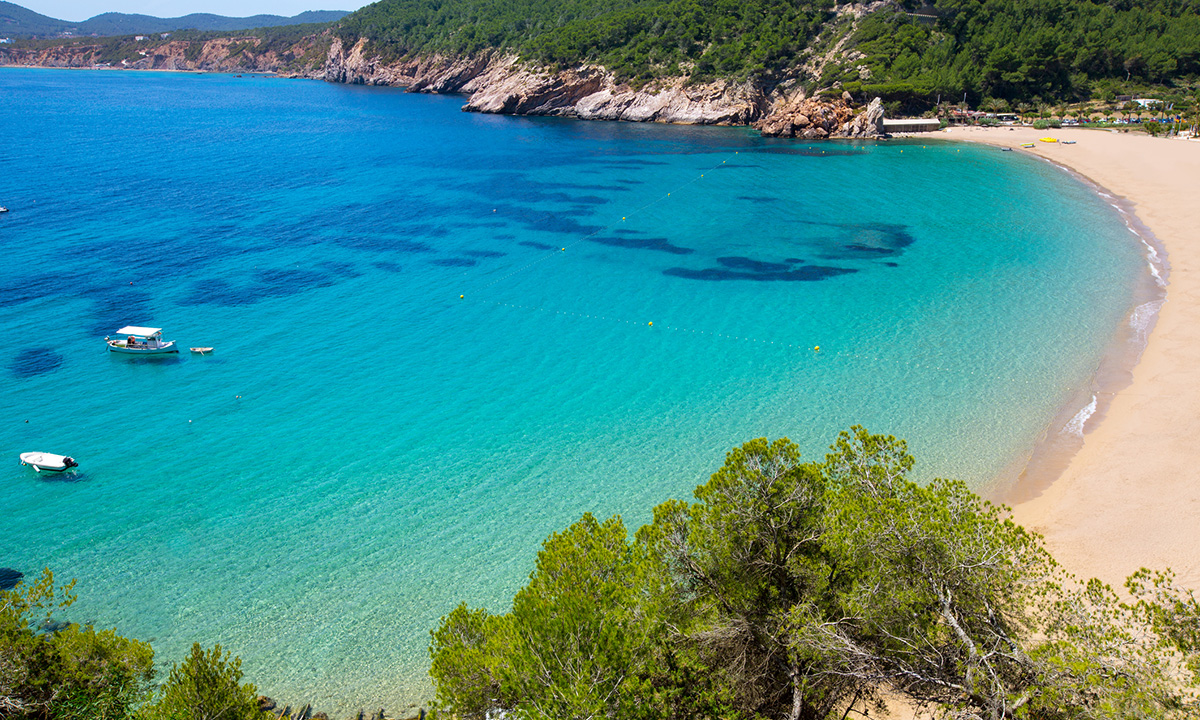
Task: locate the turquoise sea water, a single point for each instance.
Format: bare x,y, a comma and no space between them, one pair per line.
365,449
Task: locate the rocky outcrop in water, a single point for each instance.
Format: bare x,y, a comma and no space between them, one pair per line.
9,578
271,709
813,119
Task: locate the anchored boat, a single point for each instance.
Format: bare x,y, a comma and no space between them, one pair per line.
140,341
49,462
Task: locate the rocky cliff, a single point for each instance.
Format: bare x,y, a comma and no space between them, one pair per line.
499,83
812,119
226,54
493,83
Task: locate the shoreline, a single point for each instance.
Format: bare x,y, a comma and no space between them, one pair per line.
1120,490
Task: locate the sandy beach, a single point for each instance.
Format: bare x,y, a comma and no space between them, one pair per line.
1130,497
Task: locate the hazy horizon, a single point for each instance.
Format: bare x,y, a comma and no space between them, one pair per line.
80,10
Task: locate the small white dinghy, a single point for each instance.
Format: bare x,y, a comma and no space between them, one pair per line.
49,462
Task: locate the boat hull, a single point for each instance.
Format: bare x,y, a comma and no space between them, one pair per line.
162,349
47,462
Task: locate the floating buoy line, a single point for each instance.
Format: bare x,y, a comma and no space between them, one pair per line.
813,351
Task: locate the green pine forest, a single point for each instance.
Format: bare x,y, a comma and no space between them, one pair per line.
1007,51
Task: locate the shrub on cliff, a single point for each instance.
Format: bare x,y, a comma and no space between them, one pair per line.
802,590
65,671
207,685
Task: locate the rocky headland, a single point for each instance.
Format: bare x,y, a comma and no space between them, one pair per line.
501,83
493,83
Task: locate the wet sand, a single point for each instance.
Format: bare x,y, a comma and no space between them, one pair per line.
1130,496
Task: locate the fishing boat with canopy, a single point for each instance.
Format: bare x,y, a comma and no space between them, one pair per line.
137,340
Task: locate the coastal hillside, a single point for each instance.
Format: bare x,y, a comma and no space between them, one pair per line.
1011,50
20,22
298,50
752,62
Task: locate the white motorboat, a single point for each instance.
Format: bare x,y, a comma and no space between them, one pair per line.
140,341
50,462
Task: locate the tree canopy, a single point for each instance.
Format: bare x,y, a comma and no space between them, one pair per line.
55,670
1015,50
801,590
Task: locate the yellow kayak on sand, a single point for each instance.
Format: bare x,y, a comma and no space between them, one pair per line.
1048,139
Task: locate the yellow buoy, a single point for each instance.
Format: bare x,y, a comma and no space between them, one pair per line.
564,249
651,323
460,297
817,349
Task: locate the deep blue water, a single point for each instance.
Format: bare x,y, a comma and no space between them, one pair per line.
365,449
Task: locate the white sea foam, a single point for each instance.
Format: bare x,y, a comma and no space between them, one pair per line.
1150,251
1143,315
1075,425
1158,280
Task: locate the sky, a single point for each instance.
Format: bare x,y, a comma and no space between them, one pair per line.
79,10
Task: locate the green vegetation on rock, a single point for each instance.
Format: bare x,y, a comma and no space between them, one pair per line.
58,670
1030,51
53,670
639,39
795,589
1026,50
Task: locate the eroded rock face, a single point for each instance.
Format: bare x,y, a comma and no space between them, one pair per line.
813,119
592,93
499,83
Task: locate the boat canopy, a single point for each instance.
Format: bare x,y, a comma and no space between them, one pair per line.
138,331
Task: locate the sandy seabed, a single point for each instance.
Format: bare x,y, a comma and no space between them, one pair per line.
1130,496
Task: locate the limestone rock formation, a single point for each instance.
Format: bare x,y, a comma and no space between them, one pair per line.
496,82
592,93
813,119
